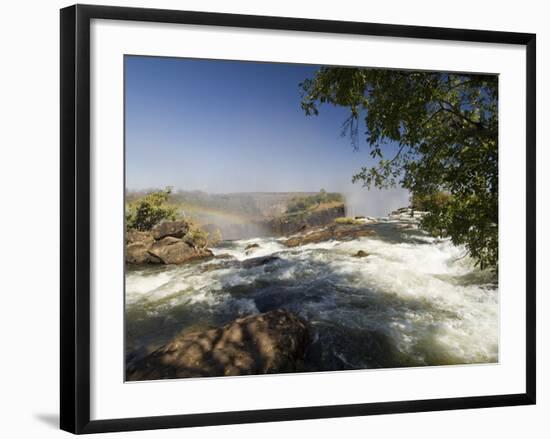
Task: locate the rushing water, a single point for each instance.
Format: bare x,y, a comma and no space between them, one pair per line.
414,301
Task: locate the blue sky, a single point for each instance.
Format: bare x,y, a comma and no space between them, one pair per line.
231,126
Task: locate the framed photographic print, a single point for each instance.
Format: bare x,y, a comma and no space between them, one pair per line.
268,218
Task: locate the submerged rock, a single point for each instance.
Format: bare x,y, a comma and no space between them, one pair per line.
338,232
259,261
273,342
225,261
361,254
250,248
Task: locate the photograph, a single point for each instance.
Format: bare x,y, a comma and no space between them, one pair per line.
298,218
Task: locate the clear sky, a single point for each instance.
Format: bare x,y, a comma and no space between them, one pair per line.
230,126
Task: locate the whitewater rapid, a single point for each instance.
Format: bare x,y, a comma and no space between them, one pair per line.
414,300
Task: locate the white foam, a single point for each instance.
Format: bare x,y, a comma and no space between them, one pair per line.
139,284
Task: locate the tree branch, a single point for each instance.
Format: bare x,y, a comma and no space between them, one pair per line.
457,113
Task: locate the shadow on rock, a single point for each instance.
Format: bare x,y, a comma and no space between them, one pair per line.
273,342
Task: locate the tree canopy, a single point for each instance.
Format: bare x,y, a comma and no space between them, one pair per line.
442,131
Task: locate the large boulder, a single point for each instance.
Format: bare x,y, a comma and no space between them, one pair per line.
170,250
272,342
176,229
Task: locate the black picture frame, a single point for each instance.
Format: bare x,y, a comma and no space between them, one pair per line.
75,217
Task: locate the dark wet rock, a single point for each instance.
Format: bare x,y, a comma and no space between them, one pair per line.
172,250
249,290
232,262
257,262
273,342
338,347
338,232
251,248
176,229
361,254
220,262
269,298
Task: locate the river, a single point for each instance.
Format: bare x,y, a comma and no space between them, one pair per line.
414,300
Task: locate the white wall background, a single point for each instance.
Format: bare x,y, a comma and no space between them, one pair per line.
29,200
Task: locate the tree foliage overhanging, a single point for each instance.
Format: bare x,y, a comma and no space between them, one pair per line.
442,129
